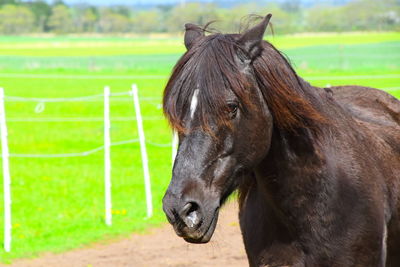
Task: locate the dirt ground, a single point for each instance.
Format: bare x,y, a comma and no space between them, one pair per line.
159,247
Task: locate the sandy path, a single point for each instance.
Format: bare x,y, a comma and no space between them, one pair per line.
159,247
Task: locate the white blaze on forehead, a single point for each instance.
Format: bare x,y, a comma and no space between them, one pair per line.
193,103
384,246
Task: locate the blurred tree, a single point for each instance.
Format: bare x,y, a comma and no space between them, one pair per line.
164,12
370,14
291,6
42,12
84,18
324,19
58,2
283,21
122,10
192,12
16,20
359,15
113,22
147,21
60,20
8,2
236,18
89,20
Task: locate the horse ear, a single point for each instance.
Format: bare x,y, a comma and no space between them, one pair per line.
191,34
252,38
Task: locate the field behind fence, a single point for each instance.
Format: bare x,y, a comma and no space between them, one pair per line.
58,203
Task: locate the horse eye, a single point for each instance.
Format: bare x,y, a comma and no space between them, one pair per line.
232,109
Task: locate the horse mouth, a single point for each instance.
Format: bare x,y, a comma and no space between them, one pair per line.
206,234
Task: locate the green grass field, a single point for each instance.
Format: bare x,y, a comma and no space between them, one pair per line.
58,202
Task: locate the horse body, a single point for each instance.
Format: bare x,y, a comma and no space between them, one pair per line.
318,170
321,208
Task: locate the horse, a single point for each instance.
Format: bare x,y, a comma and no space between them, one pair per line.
317,170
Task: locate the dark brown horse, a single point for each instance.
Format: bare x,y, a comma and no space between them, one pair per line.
318,170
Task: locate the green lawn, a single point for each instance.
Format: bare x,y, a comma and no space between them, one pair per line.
107,46
58,202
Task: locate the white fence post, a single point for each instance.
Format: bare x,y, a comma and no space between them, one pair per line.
6,174
107,159
143,151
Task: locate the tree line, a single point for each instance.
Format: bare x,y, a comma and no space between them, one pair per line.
38,16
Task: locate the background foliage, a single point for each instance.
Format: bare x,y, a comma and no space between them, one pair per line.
19,17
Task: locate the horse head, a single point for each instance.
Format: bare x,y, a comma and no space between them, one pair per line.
224,125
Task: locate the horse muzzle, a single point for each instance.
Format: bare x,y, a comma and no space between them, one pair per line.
191,220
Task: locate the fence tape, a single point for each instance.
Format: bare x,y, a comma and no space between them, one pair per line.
84,153
158,145
84,77
80,119
62,99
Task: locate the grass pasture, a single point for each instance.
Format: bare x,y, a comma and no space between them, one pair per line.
58,202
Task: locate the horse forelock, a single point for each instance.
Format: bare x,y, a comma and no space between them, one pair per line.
199,82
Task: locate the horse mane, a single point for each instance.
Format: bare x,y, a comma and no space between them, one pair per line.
210,65
293,102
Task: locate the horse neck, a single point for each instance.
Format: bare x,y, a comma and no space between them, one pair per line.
291,161
295,151
295,155
291,151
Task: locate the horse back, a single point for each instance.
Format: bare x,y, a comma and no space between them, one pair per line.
373,108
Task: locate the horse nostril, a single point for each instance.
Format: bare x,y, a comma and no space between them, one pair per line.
190,214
